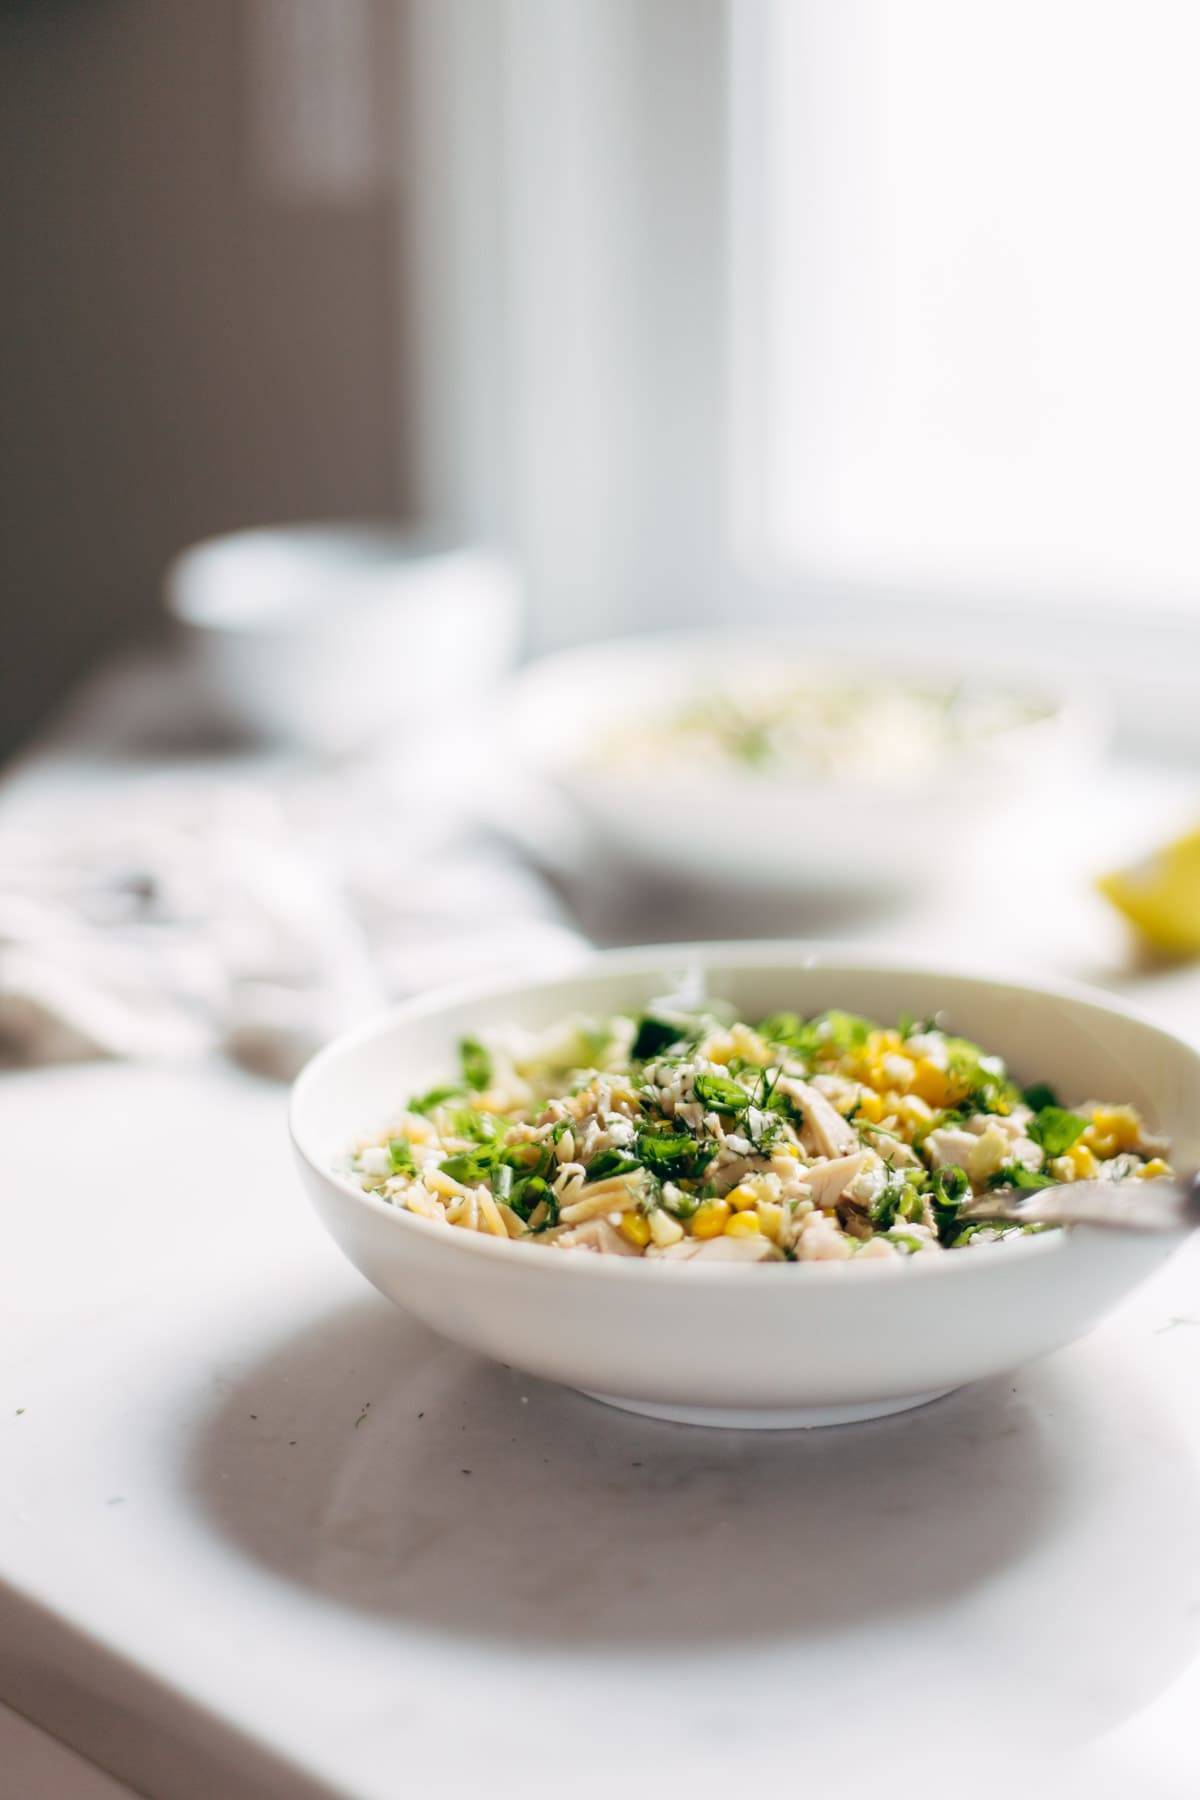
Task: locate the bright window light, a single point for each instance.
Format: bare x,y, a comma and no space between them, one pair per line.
974,294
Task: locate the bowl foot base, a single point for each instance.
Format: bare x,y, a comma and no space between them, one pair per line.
769,1418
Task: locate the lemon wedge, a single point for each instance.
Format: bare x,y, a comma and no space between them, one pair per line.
1160,896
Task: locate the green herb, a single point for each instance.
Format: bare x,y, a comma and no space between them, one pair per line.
401,1157
886,1205
767,1136
525,1194
781,1028
907,1242
785,1106
596,1039
537,1193
721,1094
828,1035
949,1187
1056,1129
654,1036
684,1205
972,1230
1015,1175
768,1081
751,744
437,1096
502,1181
912,1205
908,1026
674,1155
470,1167
476,1063
842,1030
610,1163
986,1089
469,1122
1039,1096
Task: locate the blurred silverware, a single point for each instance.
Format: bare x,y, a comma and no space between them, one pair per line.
1167,1203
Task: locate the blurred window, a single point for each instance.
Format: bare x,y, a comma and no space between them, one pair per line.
967,294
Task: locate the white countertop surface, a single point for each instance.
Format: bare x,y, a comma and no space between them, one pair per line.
261,1534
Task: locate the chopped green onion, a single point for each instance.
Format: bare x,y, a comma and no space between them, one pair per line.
476,1064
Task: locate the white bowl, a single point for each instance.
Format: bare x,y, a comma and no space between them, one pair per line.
331,635
761,1345
783,829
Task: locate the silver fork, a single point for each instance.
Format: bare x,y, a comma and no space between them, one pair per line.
1165,1203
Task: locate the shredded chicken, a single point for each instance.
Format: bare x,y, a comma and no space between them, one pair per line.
824,1131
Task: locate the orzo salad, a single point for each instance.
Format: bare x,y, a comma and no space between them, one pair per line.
824,726
681,1134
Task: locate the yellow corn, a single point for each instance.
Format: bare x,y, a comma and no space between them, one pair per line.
770,1217
1082,1161
931,1084
635,1229
914,1111
1155,1167
742,1198
870,1106
710,1218
1118,1123
743,1224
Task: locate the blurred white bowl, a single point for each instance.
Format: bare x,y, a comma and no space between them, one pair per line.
332,635
767,828
771,1344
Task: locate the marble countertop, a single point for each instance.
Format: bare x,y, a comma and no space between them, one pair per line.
260,1534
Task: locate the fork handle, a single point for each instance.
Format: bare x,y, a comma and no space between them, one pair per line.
1165,1204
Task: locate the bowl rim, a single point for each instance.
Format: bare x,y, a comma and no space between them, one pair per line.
786,954
406,556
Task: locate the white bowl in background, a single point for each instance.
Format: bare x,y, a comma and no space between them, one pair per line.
761,829
331,635
762,1345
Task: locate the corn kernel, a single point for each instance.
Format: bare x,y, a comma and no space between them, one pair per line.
1082,1161
771,1217
914,1111
748,1044
1120,1123
710,1218
931,1084
870,1106
1102,1143
635,1229
742,1198
743,1224
1155,1167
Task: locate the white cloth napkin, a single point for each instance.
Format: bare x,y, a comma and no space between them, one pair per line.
168,915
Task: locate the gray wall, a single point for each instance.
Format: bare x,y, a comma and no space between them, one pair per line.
185,345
